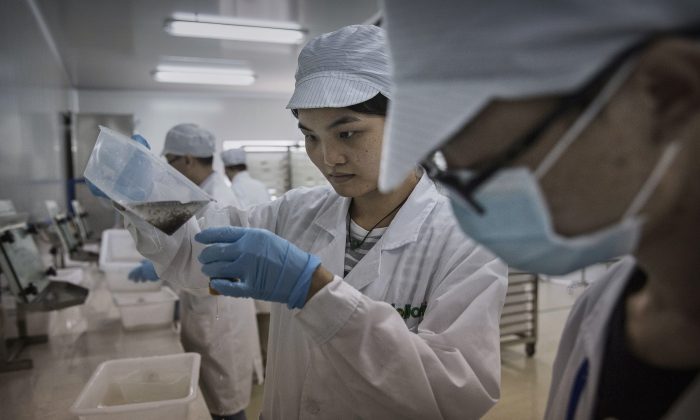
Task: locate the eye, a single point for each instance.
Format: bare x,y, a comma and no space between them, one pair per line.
346,134
309,138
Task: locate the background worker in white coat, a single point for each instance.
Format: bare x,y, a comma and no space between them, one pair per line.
383,308
571,132
250,191
228,345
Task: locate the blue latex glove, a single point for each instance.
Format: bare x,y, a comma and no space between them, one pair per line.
98,192
144,272
94,190
139,138
269,267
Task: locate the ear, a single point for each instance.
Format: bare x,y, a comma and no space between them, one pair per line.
670,72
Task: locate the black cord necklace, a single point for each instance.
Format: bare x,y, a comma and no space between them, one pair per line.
354,243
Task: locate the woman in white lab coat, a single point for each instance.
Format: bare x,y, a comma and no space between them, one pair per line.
411,329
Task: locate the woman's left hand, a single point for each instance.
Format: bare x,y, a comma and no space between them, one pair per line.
256,263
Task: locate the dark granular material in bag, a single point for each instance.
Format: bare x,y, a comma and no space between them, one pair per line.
167,216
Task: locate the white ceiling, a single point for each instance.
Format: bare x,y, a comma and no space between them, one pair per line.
116,44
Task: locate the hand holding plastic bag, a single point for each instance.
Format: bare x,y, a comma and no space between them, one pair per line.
139,138
268,267
144,272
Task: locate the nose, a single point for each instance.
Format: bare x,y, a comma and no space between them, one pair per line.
332,154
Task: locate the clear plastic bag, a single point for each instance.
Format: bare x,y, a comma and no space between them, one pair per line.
141,182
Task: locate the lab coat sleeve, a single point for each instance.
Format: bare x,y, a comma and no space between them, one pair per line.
449,368
175,257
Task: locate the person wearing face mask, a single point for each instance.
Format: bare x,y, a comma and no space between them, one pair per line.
381,308
571,136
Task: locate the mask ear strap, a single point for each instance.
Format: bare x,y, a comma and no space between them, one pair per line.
654,179
584,120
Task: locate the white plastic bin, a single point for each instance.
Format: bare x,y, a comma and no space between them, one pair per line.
118,256
141,310
144,388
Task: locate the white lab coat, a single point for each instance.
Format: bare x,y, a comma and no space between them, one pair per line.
216,186
250,191
348,353
229,346
584,338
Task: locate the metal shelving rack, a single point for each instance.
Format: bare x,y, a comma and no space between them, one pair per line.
519,316
280,167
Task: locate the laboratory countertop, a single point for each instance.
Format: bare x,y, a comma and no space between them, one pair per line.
80,338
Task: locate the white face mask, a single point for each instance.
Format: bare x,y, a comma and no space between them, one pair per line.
517,225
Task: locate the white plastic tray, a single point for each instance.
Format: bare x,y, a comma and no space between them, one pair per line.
145,388
141,310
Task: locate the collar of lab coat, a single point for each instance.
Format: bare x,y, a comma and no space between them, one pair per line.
594,329
211,179
406,225
404,229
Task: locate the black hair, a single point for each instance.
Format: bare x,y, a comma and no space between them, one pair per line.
206,161
376,105
239,167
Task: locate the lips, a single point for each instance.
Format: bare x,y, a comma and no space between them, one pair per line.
339,178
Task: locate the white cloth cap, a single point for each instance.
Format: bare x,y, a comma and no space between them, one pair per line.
342,68
233,157
451,59
189,139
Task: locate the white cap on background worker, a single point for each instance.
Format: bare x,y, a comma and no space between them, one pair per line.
232,157
189,139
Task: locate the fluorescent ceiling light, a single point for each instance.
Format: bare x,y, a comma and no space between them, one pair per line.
220,27
278,144
204,75
265,149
